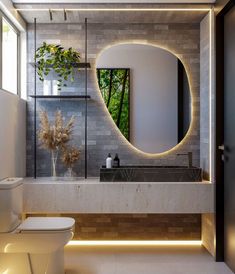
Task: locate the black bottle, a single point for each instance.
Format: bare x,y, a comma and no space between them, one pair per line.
116,161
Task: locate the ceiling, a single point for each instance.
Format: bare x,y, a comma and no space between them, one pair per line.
113,1
112,13
115,17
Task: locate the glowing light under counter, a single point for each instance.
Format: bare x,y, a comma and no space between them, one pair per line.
135,243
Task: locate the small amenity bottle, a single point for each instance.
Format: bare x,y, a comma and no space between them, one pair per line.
109,161
116,161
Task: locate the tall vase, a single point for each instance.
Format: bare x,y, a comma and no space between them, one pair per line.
54,157
70,175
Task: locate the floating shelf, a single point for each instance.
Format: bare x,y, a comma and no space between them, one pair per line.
84,66
61,96
75,65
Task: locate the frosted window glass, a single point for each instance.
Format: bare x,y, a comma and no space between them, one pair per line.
9,57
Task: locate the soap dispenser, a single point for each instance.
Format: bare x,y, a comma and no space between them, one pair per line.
116,161
109,161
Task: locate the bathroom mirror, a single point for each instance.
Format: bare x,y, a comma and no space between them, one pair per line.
146,91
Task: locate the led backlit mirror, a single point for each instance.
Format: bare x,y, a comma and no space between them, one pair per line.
146,91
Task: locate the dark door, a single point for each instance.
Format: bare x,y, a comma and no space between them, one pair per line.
229,138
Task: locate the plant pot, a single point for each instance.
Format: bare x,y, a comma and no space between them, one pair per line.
46,87
55,90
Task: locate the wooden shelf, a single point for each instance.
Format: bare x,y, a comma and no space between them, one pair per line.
61,96
75,65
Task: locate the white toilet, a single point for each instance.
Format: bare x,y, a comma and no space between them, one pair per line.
35,245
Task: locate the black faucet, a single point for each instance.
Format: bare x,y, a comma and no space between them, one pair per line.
190,158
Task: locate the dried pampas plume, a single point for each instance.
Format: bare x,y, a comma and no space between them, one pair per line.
70,155
54,137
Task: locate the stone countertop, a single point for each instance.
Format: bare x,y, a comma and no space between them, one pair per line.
95,180
44,195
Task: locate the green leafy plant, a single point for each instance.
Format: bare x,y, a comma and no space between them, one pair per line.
61,61
115,88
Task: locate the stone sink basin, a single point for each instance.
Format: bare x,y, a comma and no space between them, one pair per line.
151,174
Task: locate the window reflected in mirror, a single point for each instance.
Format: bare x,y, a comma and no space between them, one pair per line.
115,89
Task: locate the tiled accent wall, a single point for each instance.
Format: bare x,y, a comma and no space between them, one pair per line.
136,226
204,93
103,136
208,232
208,220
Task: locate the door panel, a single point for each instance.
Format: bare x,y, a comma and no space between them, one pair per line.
229,138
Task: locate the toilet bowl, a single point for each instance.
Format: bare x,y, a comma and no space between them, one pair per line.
40,239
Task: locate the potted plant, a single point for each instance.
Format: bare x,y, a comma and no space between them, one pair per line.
62,61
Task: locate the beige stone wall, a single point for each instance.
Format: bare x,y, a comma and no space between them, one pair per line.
208,232
207,129
135,226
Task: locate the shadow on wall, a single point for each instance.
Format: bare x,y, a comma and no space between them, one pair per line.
12,135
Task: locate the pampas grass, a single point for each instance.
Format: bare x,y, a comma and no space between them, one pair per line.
54,137
69,156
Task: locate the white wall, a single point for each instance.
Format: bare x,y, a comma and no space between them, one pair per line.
12,135
153,93
13,112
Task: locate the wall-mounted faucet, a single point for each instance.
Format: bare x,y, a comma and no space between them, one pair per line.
190,158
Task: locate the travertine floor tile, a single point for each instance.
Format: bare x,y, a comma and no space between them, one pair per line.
141,260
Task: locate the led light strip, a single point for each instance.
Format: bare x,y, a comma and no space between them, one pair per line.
134,243
116,9
210,96
145,42
210,93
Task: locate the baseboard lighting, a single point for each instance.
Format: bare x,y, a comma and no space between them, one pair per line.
134,243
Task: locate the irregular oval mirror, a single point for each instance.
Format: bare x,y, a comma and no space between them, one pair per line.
146,91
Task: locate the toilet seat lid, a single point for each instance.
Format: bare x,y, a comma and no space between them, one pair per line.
46,224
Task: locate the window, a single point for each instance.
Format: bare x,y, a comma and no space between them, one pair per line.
9,65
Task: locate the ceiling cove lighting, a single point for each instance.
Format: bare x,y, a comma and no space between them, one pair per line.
134,243
115,9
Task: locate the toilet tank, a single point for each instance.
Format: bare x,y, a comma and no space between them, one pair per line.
11,203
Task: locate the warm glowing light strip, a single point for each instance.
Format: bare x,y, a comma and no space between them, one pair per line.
144,42
134,243
210,97
116,9
192,110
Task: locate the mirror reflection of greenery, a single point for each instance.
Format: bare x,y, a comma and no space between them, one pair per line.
115,88
6,29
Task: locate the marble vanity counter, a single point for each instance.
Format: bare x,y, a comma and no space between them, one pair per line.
92,196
